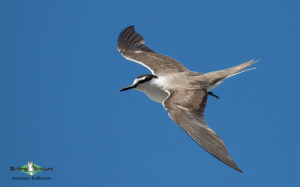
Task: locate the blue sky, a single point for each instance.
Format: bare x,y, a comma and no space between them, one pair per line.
59,105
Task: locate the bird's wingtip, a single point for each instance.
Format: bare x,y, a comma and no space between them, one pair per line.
239,170
129,27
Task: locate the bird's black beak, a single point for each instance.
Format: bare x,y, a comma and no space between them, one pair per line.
127,88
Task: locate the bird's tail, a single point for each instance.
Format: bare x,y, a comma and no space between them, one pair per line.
239,68
217,77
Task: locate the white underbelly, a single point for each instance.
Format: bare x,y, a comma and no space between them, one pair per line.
154,93
157,95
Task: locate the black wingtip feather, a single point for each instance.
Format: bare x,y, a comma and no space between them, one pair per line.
129,39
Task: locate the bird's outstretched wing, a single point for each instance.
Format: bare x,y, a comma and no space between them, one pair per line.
186,108
131,46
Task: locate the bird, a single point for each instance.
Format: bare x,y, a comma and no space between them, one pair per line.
30,168
183,93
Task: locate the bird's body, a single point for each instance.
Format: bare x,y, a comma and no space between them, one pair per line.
182,92
154,90
30,168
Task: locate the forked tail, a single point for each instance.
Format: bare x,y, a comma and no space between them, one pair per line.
217,77
239,68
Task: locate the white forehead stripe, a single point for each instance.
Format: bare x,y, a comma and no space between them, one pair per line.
139,79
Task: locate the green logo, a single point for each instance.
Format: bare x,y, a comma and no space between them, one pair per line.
30,168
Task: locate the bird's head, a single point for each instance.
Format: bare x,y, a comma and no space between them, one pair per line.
139,81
